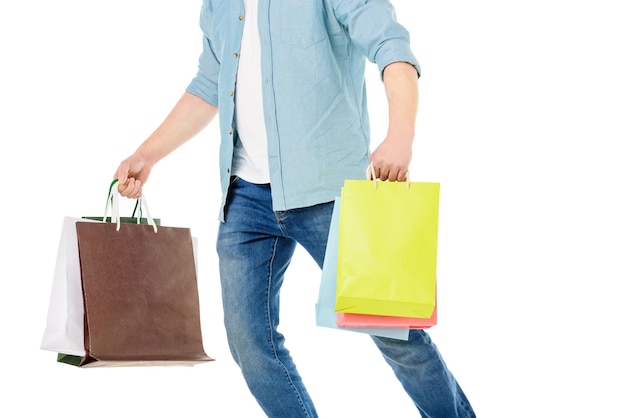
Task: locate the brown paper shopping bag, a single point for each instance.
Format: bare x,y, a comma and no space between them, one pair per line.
140,295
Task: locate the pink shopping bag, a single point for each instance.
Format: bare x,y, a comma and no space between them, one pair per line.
378,321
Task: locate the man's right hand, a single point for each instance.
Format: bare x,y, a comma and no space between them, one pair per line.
132,174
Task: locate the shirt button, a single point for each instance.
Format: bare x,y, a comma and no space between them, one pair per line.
230,132
240,17
231,93
228,170
236,55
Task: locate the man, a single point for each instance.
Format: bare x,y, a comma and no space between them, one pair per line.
288,79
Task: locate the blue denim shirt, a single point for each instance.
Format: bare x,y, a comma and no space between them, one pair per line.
313,57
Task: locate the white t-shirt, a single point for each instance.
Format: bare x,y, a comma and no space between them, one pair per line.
250,157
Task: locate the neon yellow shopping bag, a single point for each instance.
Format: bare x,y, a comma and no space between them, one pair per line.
387,248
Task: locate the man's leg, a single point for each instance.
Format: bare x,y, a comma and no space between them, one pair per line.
421,370
254,255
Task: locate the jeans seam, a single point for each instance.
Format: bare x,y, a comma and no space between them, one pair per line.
271,330
280,217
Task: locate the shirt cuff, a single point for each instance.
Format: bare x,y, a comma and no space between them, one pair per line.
200,86
396,50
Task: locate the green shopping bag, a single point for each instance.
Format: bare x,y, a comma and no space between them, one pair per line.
387,248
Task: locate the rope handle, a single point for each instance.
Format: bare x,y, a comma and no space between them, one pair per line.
370,174
113,205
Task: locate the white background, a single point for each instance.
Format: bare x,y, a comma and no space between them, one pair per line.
521,120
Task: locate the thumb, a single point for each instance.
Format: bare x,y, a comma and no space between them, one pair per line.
122,174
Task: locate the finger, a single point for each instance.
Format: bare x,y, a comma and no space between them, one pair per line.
122,173
383,174
136,189
123,186
129,188
398,175
392,175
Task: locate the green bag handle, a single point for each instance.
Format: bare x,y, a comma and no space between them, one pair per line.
113,204
113,183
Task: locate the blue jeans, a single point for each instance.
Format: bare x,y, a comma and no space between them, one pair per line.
255,245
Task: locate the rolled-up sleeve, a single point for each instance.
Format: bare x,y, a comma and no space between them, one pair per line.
205,82
375,31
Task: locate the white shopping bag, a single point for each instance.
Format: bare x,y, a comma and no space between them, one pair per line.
64,331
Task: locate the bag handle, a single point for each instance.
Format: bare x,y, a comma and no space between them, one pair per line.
113,204
370,174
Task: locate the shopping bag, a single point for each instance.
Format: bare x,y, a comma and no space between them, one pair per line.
325,306
64,331
138,291
377,321
387,248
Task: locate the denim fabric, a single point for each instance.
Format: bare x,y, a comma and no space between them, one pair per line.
313,57
255,245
